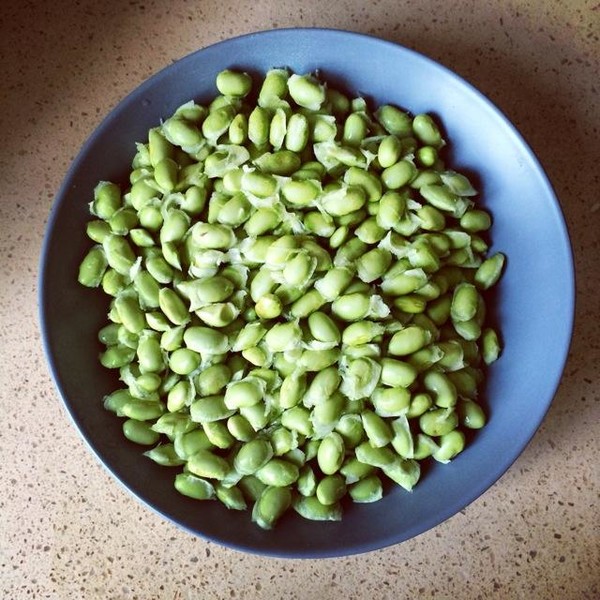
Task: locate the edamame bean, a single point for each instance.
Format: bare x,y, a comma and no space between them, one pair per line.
306,91
140,432
471,414
438,421
395,121
488,273
297,133
369,489
278,473
330,454
258,126
311,508
180,395
173,306
396,373
244,393
271,505
119,254
405,473
209,409
252,456
233,83
391,402
307,304
398,175
184,361
331,489
164,455
93,267
207,464
194,487
378,431
450,444
427,131
107,200
491,346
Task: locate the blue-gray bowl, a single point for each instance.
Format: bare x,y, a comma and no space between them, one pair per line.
534,304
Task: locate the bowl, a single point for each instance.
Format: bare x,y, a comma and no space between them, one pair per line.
534,303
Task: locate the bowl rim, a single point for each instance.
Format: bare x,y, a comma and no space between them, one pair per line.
474,491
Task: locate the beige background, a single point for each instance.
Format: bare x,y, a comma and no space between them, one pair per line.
67,530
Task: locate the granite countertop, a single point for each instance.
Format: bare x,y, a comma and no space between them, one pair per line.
70,531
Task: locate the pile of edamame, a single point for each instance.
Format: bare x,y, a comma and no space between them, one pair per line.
297,288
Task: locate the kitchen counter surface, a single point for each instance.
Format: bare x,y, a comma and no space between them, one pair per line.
70,531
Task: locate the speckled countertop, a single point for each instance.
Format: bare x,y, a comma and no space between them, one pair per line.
68,530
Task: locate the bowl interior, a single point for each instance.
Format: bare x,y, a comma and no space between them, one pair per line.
534,303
